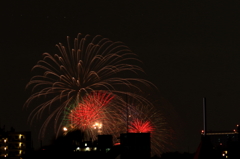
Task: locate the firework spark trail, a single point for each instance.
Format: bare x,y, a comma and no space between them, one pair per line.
91,65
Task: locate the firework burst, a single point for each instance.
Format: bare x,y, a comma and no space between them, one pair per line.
139,126
93,115
143,119
93,108
63,80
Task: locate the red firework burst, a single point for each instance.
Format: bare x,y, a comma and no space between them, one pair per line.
92,109
139,126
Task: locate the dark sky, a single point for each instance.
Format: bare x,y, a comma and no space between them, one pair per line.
190,50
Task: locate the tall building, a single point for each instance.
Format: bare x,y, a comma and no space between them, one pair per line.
14,145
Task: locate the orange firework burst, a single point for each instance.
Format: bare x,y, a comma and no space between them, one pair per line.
87,85
92,64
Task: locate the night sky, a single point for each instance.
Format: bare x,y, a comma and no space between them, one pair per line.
189,50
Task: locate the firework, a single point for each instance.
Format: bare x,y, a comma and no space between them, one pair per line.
63,80
139,126
93,115
143,119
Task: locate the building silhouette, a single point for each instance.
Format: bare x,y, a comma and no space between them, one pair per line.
14,145
70,145
135,145
218,144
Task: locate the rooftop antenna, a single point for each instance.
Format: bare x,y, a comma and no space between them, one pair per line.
127,111
204,117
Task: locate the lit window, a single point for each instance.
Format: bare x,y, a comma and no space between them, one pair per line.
85,144
87,149
20,136
78,149
95,148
